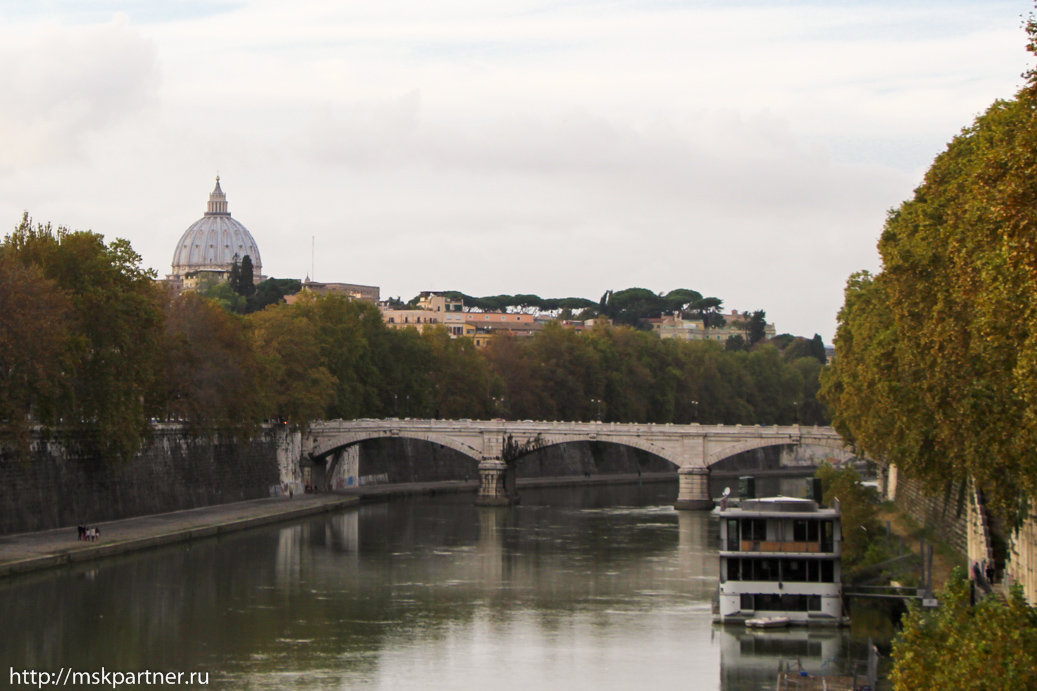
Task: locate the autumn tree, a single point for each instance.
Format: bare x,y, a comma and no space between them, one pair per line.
114,324
991,644
298,386
35,350
212,373
937,355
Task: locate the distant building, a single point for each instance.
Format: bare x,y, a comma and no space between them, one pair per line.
211,246
439,302
357,292
437,309
675,326
422,319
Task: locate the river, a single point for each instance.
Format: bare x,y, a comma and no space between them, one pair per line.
593,587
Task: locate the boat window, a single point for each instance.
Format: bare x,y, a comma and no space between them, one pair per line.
767,570
827,537
794,570
805,530
754,529
827,571
733,539
782,603
732,570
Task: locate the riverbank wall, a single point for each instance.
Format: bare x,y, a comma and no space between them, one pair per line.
65,481
943,510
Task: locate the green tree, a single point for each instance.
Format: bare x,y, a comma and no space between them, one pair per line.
344,329
757,328
937,355
271,292
297,384
460,377
990,645
246,284
223,293
863,543
212,370
35,350
115,328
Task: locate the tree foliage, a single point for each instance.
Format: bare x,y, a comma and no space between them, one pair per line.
36,349
864,543
113,323
111,351
212,374
937,354
990,645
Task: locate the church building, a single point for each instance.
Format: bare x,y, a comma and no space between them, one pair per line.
211,246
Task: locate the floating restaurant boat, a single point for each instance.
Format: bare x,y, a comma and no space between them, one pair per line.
780,559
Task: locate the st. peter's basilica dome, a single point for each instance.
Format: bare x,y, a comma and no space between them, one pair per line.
215,241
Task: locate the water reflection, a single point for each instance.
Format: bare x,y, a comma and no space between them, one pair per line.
594,586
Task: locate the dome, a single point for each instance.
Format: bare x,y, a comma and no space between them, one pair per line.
215,241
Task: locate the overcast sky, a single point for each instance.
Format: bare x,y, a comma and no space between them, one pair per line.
745,149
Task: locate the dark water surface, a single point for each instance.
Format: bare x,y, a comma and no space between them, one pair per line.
576,588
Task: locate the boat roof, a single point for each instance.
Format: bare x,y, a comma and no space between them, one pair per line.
777,507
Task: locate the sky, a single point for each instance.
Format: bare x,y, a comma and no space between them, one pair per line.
749,150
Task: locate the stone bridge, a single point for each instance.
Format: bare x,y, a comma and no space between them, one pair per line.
691,448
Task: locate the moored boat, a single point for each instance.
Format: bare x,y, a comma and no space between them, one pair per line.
780,560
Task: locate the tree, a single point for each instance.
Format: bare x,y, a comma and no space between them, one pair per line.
937,355
223,293
862,546
757,328
115,327
35,350
297,385
989,645
246,283
272,291
212,369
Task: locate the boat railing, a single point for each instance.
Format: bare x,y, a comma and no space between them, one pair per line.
782,546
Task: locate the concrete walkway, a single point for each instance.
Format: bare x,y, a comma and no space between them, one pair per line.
24,552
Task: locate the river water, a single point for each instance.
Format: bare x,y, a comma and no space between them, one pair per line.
594,587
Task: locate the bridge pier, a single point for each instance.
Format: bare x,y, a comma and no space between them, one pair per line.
693,490
492,489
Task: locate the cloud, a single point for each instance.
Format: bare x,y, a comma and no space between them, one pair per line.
61,84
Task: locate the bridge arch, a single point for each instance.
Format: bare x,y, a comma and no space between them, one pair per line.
351,439
637,445
734,448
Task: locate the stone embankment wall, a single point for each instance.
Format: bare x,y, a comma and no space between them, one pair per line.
1021,567
64,483
944,511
